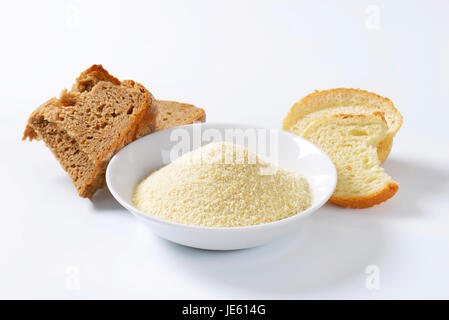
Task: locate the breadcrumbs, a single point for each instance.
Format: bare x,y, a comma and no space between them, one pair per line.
222,185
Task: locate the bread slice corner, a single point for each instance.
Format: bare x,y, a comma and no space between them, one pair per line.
173,114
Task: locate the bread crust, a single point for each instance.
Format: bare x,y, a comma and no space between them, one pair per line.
88,78
291,119
384,147
368,201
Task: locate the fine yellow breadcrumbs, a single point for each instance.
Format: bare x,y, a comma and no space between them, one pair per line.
222,185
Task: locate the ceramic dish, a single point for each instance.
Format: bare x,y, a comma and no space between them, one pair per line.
138,159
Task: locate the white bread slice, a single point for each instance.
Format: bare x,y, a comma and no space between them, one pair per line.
351,142
344,101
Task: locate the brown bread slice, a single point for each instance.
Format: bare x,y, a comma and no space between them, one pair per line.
86,126
172,114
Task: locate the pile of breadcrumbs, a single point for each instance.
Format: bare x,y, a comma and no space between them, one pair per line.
222,185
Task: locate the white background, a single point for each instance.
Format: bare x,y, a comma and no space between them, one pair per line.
246,62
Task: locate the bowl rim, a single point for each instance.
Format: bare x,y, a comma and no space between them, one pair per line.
269,225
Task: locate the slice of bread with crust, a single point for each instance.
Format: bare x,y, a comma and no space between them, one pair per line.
344,101
173,114
351,142
87,125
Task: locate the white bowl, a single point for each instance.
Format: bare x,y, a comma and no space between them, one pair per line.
138,159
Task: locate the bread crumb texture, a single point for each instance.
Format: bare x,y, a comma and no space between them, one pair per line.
222,185
344,101
351,142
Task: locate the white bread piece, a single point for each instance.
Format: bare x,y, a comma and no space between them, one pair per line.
351,142
344,101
